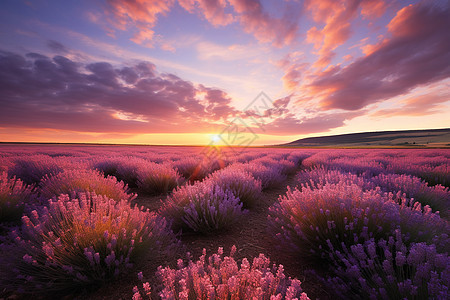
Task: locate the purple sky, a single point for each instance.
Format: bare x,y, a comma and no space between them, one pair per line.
188,71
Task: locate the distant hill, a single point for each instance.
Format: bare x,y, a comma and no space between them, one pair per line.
429,138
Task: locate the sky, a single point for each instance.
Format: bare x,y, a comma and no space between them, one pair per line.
226,72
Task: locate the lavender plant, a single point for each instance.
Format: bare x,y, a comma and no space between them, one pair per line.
195,169
403,186
203,207
79,242
270,177
314,222
157,178
437,197
219,277
127,169
240,183
71,181
190,168
391,269
108,166
32,169
317,177
14,195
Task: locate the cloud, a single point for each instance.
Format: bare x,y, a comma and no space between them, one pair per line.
373,8
100,97
278,31
289,124
337,16
140,14
294,69
421,105
416,54
211,51
57,47
212,10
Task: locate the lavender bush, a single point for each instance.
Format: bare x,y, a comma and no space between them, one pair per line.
317,221
108,166
14,195
317,177
127,170
270,177
202,207
240,183
34,168
437,197
219,277
71,181
404,186
390,269
79,242
157,178
194,169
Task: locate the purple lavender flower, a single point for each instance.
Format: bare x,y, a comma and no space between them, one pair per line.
202,207
69,234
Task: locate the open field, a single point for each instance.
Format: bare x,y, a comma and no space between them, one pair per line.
113,222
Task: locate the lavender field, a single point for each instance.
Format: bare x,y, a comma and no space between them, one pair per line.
141,222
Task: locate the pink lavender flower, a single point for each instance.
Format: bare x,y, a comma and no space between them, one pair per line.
220,278
270,177
197,168
155,178
71,181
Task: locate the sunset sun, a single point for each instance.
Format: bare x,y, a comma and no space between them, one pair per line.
215,139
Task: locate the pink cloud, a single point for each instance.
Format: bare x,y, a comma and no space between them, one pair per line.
294,70
415,55
336,15
373,8
142,14
212,10
289,124
421,105
314,36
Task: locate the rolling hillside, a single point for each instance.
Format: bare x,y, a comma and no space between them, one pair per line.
429,138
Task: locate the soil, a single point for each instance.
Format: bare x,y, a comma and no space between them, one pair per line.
250,236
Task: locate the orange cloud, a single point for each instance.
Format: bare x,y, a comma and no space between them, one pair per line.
417,54
314,36
337,15
143,14
373,8
421,105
